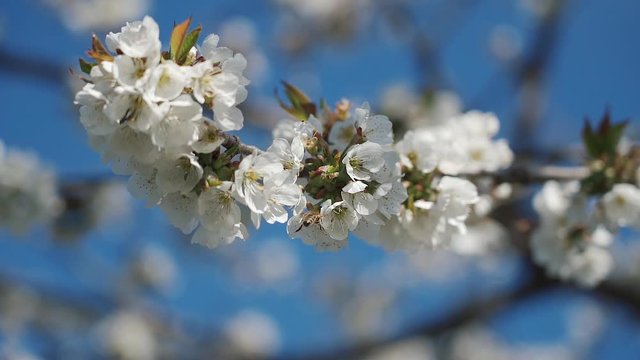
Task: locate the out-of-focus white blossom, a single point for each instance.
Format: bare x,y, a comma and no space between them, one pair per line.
436,222
252,334
569,242
240,34
622,205
505,42
414,111
412,349
156,267
478,343
462,145
28,191
83,15
127,335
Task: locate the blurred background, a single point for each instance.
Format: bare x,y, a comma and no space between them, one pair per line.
109,278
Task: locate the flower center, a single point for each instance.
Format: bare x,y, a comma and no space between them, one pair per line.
339,212
164,79
347,134
356,163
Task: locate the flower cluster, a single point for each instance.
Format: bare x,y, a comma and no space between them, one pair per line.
576,229
353,179
337,169
28,193
571,238
433,158
579,220
144,110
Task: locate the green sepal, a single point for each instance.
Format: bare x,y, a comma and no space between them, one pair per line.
301,106
86,66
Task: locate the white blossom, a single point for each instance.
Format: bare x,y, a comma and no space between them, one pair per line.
289,154
143,185
81,15
255,173
134,109
253,334
128,335
342,132
132,73
306,226
219,216
364,160
140,113
375,128
569,242
180,127
622,205
180,174
92,103
28,193
337,219
418,150
212,52
167,81
434,223
288,129
209,138
182,210
585,264
138,39
362,202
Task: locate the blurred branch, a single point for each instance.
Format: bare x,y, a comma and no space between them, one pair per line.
528,75
34,67
404,19
533,174
538,283
531,74
466,314
233,140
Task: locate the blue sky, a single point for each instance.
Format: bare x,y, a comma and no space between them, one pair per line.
596,64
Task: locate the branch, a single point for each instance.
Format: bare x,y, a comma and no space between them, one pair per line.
32,66
477,310
531,73
534,174
234,140
537,284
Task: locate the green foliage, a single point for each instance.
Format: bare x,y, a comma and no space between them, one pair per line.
300,105
86,66
182,41
602,143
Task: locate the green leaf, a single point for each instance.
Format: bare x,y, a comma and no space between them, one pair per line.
614,135
86,66
177,37
189,41
589,140
603,142
301,105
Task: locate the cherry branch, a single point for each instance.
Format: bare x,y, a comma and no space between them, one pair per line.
233,140
32,66
537,284
534,174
